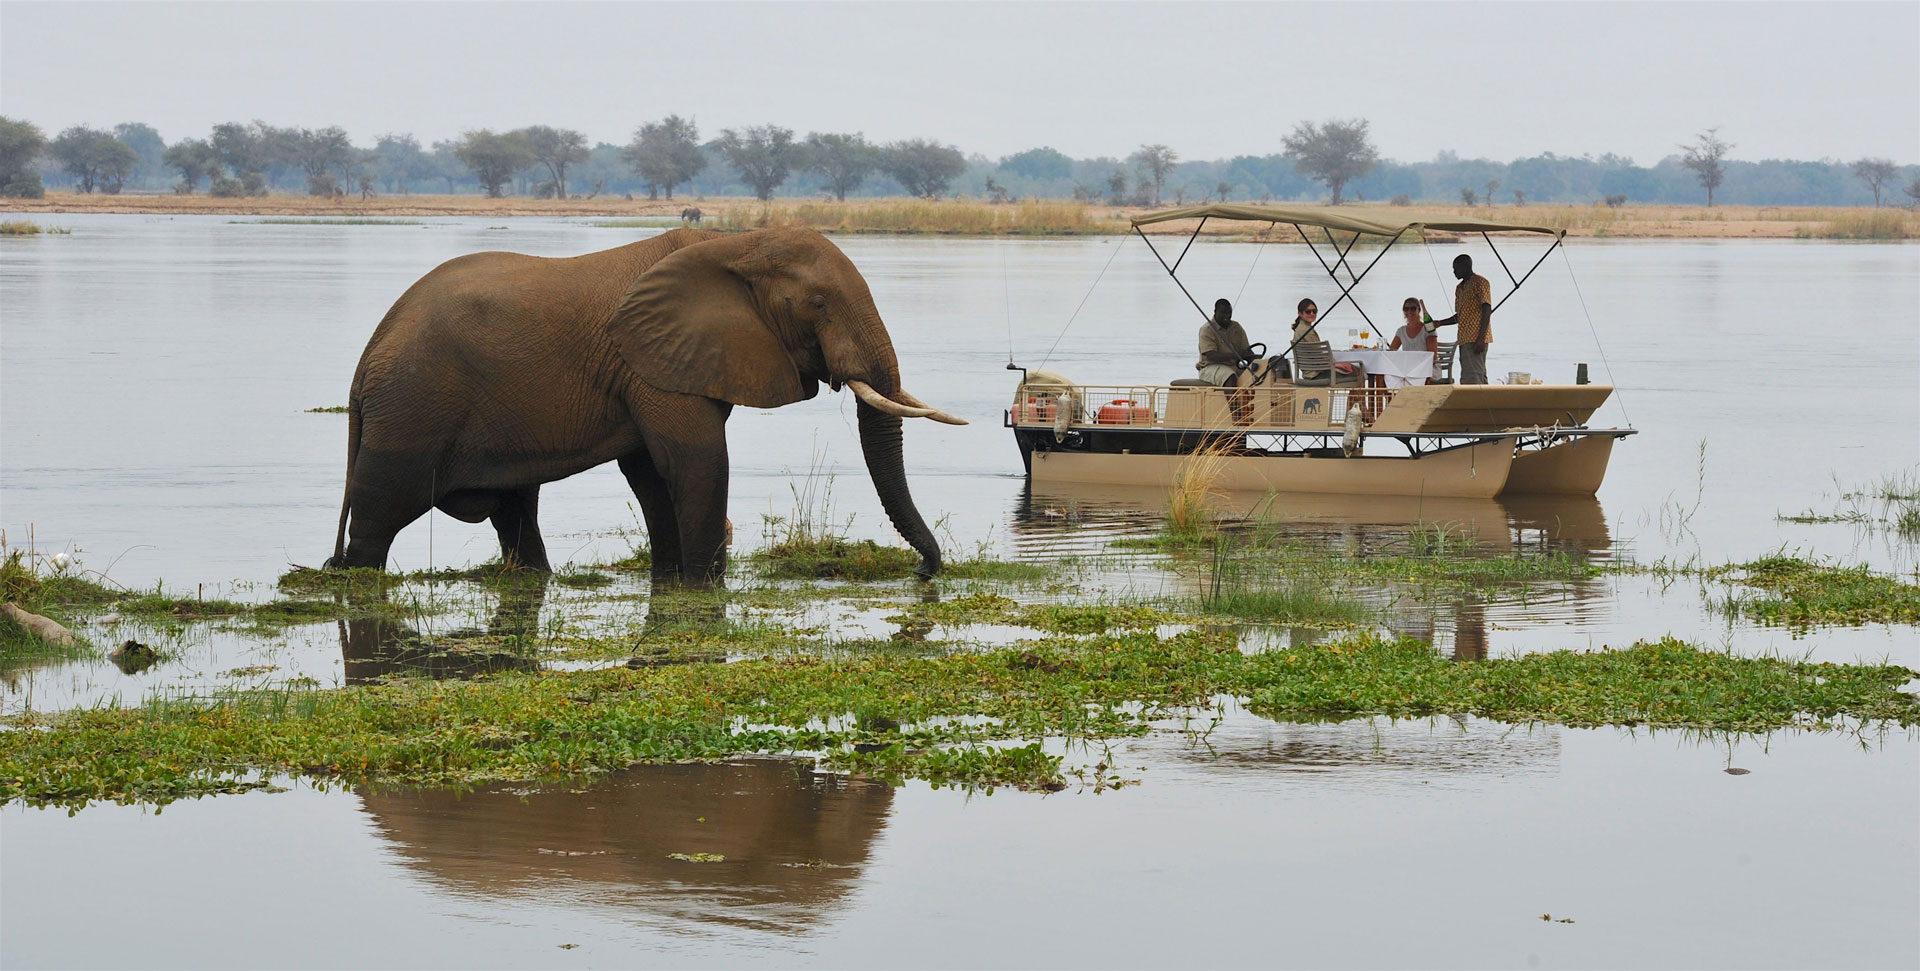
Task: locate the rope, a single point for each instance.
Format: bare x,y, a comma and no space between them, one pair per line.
1436,269
1264,237
1596,337
1083,302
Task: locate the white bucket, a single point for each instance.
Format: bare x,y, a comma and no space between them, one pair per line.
1519,377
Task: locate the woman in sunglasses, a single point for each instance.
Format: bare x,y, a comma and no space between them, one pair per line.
1413,335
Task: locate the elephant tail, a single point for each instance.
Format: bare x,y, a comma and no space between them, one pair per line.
346,496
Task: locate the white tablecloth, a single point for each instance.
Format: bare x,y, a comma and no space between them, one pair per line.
1399,368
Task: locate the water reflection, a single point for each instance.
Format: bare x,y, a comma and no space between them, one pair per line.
1364,746
382,646
1066,516
793,841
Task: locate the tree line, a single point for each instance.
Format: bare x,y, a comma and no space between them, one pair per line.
1326,161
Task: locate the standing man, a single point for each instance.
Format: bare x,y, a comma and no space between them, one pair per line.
1223,345
1473,311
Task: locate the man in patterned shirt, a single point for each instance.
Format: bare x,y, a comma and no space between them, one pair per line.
1473,311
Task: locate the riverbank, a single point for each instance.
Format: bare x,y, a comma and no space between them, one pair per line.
964,217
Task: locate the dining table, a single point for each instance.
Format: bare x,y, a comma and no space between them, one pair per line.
1396,369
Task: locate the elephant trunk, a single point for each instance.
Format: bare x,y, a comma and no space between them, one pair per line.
880,442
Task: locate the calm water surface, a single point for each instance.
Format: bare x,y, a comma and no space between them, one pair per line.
154,376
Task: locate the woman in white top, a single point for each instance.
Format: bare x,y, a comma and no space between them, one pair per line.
1413,335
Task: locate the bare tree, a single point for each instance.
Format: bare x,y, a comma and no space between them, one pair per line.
1158,161
1335,152
1469,197
1876,173
1519,197
1493,186
1223,189
556,148
1117,186
1704,156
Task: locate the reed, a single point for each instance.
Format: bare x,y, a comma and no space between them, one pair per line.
1870,224
1191,503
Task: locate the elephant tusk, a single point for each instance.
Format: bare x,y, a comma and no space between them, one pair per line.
892,407
936,414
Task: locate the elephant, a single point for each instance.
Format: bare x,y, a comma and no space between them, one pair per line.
498,372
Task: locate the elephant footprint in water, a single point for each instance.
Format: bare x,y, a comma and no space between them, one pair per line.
498,372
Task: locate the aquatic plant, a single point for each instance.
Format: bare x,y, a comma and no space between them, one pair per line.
966,719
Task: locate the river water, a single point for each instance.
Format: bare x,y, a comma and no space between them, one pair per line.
154,378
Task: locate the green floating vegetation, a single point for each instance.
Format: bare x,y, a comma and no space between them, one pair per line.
1892,503
991,608
1800,593
329,410
973,720
822,557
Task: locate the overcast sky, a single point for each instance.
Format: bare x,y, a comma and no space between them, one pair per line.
1212,80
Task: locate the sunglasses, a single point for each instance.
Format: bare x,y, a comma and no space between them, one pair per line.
1310,310
1411,306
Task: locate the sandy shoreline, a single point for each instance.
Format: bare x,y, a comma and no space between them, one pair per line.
1650,221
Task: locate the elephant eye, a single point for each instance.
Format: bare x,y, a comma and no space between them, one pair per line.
817,301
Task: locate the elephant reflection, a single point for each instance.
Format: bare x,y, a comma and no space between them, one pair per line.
793,840
382,646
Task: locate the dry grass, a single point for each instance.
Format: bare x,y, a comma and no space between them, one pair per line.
1034,217
919,216
1192,501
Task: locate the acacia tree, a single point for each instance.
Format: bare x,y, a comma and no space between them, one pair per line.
666,153
148,145
762,154
493,157
95,158
399,160
1335,152
1704,156
922,167
1876,173
20,142
1158,160
245,151
195,159
843,160
318,153
556,148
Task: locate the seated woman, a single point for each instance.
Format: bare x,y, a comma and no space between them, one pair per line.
1303,332
1413,335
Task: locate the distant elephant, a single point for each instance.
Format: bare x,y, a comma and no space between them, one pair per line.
498,372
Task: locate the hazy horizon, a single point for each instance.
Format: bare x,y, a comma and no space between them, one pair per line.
1500,81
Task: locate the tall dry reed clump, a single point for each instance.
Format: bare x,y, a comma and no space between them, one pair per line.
1872,224
1035,218
1190,503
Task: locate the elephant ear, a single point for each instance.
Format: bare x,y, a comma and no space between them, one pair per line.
690,323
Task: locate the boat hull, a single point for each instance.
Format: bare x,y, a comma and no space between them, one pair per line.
1475,471
1570,468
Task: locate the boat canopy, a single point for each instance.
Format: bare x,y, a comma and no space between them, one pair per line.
1328,218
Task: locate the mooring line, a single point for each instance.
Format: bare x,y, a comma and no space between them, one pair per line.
1596,337
1083,302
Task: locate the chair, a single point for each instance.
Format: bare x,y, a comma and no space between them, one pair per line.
1443,364
1316,358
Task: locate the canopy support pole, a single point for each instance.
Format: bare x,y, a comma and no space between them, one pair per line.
1345,291
1557,240
1183,250
1502,259
1176,279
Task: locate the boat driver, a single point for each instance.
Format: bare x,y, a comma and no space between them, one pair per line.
1223,346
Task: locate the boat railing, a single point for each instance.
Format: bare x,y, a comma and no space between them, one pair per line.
1270,407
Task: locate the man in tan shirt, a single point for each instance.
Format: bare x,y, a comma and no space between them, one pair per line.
1223,345
1473,311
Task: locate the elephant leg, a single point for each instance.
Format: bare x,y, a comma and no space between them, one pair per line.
686,437
656,506
516,520
382,500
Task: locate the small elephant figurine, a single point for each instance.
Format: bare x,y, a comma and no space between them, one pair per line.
498,372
